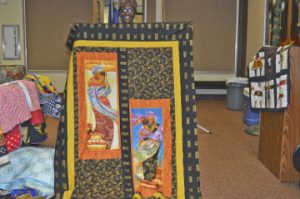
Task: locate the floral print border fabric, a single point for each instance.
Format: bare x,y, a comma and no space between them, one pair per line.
11,73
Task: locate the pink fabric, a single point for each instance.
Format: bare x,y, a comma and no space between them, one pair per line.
13,107
33,94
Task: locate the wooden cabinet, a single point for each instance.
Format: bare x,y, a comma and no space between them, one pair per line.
98,9
280,131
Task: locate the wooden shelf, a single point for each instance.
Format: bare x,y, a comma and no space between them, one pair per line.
280,131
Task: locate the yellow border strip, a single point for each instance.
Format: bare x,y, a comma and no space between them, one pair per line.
127,44
177,93
178,120
70,129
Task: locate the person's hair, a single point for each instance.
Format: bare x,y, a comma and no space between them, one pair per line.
102,73
145,121
131,3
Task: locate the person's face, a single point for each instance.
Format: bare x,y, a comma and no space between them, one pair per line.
100,77
127,14
151,120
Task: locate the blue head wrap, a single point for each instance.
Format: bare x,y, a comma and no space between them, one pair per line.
98,69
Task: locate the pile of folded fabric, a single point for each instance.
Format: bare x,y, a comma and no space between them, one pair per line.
24,170
21,117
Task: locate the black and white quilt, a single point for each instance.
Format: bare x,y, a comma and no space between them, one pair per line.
269,74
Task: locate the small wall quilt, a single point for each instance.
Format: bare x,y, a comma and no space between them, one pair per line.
269,73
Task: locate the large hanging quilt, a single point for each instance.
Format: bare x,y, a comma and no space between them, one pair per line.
128,124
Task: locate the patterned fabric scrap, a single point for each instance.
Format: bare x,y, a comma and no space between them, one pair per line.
277,22
49,97
37,133
11,73
51,103
13,139
22,193
37,117
33,134
30,167
30,86
3,150
25,134
13,107
32,100
269,73
5,194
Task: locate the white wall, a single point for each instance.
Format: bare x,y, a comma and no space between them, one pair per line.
11,13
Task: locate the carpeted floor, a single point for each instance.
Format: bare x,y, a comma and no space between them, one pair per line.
228,159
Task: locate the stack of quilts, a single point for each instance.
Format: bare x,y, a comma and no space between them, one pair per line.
21,118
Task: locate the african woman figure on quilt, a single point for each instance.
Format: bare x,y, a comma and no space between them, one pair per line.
99,89
147,154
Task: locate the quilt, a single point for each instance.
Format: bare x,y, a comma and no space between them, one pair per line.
269,76
29,167
277,22
128,123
